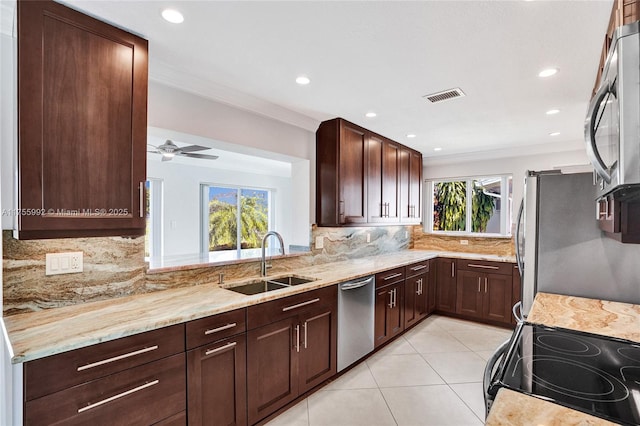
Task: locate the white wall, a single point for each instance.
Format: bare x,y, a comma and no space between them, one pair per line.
7,117
516,166
181,201
246,132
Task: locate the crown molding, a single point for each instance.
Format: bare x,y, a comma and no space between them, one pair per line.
506,152
163,73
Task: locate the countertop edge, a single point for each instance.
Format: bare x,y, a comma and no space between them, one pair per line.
23,329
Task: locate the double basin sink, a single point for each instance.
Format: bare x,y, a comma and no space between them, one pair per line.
266,284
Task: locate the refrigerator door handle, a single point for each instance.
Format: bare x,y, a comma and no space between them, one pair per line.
519,259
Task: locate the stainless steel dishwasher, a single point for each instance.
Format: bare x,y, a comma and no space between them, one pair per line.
355,320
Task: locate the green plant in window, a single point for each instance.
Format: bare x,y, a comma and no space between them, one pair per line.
482,207
223,225
450,205
254,219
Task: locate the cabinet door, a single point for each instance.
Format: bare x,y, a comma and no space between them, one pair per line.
446,285
318,353
415,187
384,298
497,297
216,383
376,208
411,296
390,180
404,173
395,312
415,299
352,175
272,365
470,293
82,132
431,288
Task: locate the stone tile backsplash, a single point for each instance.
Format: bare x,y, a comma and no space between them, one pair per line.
115,267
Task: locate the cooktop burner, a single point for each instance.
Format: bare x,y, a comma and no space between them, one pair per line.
587,372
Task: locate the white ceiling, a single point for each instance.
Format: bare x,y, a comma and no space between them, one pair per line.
383,56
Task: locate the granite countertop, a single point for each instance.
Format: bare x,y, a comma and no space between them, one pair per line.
39,334
576,313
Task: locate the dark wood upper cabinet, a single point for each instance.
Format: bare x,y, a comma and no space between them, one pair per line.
364,178
82,124
341,150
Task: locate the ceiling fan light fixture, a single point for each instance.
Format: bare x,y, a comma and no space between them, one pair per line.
169,154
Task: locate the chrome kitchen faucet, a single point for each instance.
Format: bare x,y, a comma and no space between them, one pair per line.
263,264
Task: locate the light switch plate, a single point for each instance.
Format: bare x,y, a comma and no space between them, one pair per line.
464,242
63,263
319,242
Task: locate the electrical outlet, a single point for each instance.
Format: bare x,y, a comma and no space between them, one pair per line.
368,237
464,242
319,242
63,263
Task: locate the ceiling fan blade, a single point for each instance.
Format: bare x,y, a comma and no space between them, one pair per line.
192,148
202,156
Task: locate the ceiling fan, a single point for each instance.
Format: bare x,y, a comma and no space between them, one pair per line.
168,150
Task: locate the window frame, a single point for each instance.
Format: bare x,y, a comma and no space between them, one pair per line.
155,217
506,214
204,216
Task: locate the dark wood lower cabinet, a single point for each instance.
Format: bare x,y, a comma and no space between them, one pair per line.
389,312
146,394
446,285
271,368
484,296
416,293
217,383
293,355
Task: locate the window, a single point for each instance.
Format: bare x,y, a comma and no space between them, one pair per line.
234,221
153,207
476,205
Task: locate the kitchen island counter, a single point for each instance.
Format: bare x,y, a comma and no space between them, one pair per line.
39,334
607,318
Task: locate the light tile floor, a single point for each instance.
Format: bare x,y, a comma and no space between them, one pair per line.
431,375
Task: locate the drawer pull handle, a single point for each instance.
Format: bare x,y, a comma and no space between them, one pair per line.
392,276
473,265
118,396
224,327
220,349
299,305
418,268
117,358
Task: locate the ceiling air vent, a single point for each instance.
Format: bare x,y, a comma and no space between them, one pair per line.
445,95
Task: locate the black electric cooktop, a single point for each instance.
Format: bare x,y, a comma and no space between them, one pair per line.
587,372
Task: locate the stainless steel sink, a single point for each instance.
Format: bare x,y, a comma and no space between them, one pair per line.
290,280
269,284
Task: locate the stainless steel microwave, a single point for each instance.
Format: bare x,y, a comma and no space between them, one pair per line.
612,126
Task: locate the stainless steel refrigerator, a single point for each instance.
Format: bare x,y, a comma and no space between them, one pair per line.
560,248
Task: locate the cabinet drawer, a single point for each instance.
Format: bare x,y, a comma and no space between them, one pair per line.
390,276
216,327
417,268
276,310
142,395
485,266
57,372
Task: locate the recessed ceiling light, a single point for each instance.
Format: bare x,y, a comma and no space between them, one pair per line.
554,134
437,149
548,72
172,16
303,80
411,135
553,111
370,114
